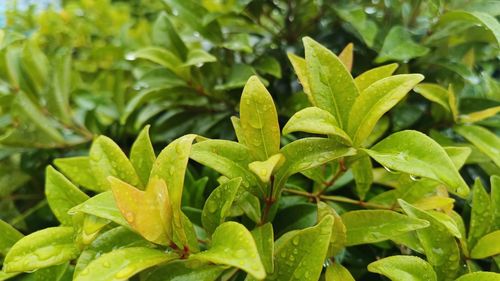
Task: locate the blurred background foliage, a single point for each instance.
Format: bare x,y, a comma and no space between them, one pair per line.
78,69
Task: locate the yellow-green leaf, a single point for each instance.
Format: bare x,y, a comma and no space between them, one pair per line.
218,204
481,215
300,67
264,239
480,276
265,169
487,142
403,268
338,238
346,56
79,171
495,202
434,93
142,155
363,175
487,246
371,76
102,205
479,115
336,272
9,237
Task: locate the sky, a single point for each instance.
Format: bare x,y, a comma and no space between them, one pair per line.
24,4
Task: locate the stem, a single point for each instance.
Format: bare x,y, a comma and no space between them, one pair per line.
340,172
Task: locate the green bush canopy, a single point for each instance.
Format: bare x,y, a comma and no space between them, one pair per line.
250,140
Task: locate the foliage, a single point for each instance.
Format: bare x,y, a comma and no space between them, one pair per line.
348,176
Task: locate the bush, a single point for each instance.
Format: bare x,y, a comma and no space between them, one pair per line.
347,175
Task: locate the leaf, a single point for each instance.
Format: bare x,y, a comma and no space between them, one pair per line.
198,57
265,169
107,159
364,28
363,175
398,45
487,21
232,244
36,66
228,158
259,120
480,276
264,239
118,237
336,272
142,155
439,244
403,268
101,205
9,237
414,153
123,263
453,103
338,238
148,212
43,248
299,255
164,58
332,86
62,195
307,153
165,35
375,101
434,93
487,246
315,120
87,228
481,215
59,94
268,65
237,129
300,67
218,204
495,202
486,141
346,56
183,271
458,155
365,79
479,115
78,170
370,226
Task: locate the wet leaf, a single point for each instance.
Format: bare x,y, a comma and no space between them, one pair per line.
164,58
265,169
102,205
480,276
398,45
237,129
338,238
434,93
165,35
495,201
264,239
480,220
403,268
487,142
9,237
142,155
416,154
370,226
336,272
43,248
183,271
78,170
479,115
363,175
218,204
371,76
346,56
300,67
487,246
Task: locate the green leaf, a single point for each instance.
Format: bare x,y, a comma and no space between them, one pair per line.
375,101
370,226
338,238
481,215
268,65
79,171
87,228
259,120
307,153
480,276
363,175
237,129
403,268
264,239
62,195
148,212
183,271
164,58
315,120
9,237
59,94
265,169
346,56
36,66
495,202
228,158
479,115
364,28
232,244
332,86
165,35
300,67
142,155
107,159
218,204
198,57
371,76
434,93
43,248
487,21
118,237
458,155
398,45
60,272
439,244
123,263
102,205
486,141
414,153
336,272
487,246
299,254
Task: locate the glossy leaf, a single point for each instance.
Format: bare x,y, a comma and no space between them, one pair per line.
404,268
218,204
483,19
486,141
165,35
300,67
336,272
375,101
495,202
237,129
265,169
9,237
370,226
58,95
101,205
416,154
259,120
78,170
346,56
434,93
164,58
299,255
232,244
183,271
123,263
439,244
315,120
480,276
107,159
142,155
367,78
62,195
480,221
398,45
479,115
363,175
332,86
264,239
338,238
198,57
50,246
487,246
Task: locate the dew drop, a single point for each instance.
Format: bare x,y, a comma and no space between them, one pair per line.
106,264
390,170
296,240
211,206
415,178
130,56
129,217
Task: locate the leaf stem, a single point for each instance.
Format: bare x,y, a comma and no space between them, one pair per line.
342,169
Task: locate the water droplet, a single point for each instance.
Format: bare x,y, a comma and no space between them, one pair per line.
130,56
296,240
211,206
390,170
263,172
45,253
241,253
129,217
106,264
85,271
415,178
125,273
